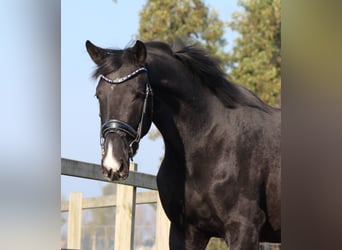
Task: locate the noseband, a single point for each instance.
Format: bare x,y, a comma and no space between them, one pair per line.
121,127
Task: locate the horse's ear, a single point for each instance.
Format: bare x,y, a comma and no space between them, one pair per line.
96,53
140,51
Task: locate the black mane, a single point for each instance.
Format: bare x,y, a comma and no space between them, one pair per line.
209,71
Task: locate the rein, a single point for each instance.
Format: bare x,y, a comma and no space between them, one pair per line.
117,126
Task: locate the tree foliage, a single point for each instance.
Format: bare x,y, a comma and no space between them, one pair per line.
255,61
190,20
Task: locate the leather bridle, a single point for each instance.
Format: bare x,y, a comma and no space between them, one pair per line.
117,126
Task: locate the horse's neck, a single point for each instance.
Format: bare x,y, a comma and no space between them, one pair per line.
165,122
183,107
182,124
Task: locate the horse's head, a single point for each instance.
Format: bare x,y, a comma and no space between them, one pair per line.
125,98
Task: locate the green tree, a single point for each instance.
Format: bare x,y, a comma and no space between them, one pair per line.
190,20
255,60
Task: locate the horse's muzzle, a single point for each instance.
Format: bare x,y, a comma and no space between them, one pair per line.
113,174
115,162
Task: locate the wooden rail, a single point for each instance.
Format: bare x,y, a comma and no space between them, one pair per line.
93,172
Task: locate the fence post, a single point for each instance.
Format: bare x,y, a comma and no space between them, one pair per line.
75,221
124,218
162,228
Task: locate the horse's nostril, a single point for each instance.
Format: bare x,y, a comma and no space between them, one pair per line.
121,166
109,173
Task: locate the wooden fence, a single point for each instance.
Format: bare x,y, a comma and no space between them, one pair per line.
125,200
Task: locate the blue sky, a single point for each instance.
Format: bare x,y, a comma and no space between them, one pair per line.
107,24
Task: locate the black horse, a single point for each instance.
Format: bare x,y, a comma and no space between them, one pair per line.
220,176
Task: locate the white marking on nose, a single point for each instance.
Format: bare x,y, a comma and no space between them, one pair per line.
109,160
